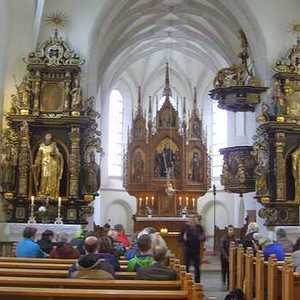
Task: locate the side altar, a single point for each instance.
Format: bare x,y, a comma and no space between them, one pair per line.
166,164
49,147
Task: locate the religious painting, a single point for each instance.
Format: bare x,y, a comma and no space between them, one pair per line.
71,214
52,98
167,160
196,166
196,130
168,118
138,166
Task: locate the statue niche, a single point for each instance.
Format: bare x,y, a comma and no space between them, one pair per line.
195,170
52,97
167,160
92,175
138,166
48,168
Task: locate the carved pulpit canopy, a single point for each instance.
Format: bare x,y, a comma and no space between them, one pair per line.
236,88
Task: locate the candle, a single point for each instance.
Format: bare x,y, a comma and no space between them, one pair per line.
59,201
194,202
32,200
180,201
140,201
146,201
186,201
152,201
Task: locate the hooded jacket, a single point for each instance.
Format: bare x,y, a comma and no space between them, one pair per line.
91,267
140,261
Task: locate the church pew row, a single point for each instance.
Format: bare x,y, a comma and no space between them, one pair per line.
48,266
122,262
16,293
260,279
90,283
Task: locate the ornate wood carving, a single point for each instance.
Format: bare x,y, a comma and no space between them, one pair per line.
49,100
165,166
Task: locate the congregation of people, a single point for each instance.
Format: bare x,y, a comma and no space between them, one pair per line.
97,254
256,240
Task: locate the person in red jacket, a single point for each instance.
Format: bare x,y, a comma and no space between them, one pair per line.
64,249
121,235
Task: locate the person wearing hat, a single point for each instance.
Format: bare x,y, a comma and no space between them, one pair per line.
249,240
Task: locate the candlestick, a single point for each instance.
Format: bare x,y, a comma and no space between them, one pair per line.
152,201
31,219
58,220
186,201
147,201
180,201
59,201
194,202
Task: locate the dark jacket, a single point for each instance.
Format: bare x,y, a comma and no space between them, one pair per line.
46,245
156,271
192,236
249,241
225,245
79,244
90,266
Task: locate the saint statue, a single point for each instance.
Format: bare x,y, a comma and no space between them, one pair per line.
296,172
48,168
92,175
138,168
7,169
76,96
195,166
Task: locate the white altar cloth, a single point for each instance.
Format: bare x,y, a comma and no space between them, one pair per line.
11,232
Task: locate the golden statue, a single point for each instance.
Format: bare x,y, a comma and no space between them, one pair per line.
296,172
48,168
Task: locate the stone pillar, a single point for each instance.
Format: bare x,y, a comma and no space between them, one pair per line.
24,160
280,167
75,162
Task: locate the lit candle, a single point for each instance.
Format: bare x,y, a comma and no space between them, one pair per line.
32,200
180,201
152,201
146,201
186,201
140,201
194,202
59,201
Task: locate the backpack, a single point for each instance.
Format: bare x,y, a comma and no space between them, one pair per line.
236,294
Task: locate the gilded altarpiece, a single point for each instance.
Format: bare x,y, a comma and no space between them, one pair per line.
50,146
166,163
277,145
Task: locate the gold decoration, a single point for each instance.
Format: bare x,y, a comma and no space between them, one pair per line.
57,19
296,172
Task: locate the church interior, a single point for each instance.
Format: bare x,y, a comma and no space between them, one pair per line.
173,124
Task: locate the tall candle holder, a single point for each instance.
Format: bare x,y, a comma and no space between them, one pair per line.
59,220
32,219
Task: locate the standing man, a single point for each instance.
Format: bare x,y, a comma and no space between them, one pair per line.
192,236
225,242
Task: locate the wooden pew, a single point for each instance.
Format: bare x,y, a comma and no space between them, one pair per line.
122,262
52,273
232,266
17,293
291,282
89,283
47,266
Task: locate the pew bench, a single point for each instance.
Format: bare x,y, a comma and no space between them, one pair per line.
89,283
17,293
53,273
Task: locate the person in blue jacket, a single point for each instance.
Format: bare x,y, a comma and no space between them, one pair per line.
27,247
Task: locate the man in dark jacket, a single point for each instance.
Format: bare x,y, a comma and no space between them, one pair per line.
192,236
225,241
91,266
158,270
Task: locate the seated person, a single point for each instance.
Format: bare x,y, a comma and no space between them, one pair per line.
296,256
143,258
106,251
158,270
90,266
282,239
27,247
45,242
121,235
64,249
268,247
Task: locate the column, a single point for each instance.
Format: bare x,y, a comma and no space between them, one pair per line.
280,167
75,161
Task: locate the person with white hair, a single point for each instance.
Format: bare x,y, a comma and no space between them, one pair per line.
249,240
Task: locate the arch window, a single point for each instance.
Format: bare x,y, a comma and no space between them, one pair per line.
115,147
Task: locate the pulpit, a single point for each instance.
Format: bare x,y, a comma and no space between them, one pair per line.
166,166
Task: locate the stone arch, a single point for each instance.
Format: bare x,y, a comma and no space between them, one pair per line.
119,212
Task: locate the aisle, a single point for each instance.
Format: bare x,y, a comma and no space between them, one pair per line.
211,278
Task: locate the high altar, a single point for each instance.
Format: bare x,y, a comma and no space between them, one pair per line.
166,166
49,148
